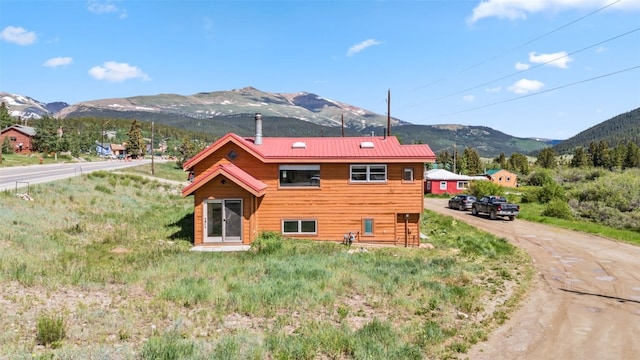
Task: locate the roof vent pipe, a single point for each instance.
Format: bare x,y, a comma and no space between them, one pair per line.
258,138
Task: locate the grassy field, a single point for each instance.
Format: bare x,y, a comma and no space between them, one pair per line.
99,267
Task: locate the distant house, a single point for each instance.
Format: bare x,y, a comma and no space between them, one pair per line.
103,149
307,188
502,177
20,136
440,181
118,150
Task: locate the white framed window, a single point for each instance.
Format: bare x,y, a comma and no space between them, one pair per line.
443,185
299,226
407,174
299,175
368,173
463,185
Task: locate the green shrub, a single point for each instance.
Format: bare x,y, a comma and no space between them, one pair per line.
482,188
103,189
550,191
50,329
267,243
540,177
558,208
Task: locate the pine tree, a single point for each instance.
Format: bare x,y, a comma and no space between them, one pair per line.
518,163
547,158
5,118
472,161
632,158
579,158
135,145
46,139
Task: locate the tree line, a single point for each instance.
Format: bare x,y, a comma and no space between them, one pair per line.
625,155
79,136
470,163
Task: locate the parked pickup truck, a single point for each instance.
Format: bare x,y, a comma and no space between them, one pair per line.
495,206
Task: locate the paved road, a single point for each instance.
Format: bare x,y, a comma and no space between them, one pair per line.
23,176
585,300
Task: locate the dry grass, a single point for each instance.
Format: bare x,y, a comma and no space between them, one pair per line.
111,253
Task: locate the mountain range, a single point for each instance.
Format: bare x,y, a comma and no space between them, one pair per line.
284,114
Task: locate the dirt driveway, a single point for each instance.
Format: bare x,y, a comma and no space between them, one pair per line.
585,299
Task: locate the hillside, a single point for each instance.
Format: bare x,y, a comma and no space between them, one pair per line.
622,128
222,104
298,114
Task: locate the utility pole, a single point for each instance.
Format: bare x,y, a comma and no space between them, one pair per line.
152,152
454,158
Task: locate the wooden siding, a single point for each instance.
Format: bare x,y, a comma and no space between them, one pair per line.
338,205
215,189
20,138
505,178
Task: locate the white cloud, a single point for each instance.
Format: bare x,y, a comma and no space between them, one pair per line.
601,49
560,59
469,98
58,61
519,9
106,7
117,72
524,86
493,89
361,46
18,35
522,66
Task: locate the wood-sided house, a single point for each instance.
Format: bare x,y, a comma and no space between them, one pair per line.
502,177
20,137
310,188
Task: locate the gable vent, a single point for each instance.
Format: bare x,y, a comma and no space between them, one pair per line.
299,145
366,145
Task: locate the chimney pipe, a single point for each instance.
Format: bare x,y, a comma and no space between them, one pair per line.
258,138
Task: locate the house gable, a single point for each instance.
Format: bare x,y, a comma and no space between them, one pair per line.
231,172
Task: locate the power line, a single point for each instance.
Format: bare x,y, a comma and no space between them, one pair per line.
541,92
526,43
544,35
529,69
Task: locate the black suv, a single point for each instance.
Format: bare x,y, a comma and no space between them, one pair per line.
462,202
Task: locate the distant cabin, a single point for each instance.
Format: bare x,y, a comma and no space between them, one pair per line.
441,181
20,137
502,177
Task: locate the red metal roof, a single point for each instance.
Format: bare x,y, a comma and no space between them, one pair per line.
325,149
231,172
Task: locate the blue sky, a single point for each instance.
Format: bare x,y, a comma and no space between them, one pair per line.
545,68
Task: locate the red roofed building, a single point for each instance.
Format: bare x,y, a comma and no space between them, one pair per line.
310,188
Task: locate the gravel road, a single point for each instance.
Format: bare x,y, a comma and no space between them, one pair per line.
585,298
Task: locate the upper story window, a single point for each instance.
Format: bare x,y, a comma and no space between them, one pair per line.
368,173
407,174
299,175
13,138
